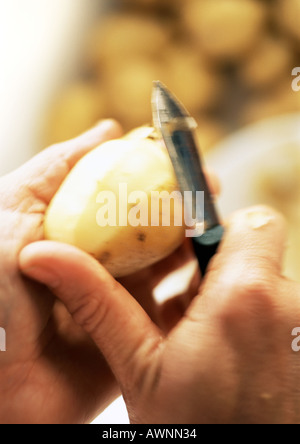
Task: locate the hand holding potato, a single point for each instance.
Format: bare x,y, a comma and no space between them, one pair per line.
51,371
228,360
50,367
106,204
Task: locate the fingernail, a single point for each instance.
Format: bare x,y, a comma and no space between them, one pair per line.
43,275
105,124
258,219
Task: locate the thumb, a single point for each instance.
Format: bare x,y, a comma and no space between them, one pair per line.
97,302
42,175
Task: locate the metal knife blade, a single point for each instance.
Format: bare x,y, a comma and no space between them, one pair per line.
176,126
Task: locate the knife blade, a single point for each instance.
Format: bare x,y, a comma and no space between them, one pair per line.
177,126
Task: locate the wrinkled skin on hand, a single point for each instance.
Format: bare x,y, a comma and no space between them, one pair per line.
227,360
52,371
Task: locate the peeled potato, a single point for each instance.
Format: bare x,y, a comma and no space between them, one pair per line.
139,162
225,29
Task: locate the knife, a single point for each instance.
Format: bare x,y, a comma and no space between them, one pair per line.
176,127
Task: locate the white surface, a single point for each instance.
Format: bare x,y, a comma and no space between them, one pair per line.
39,42
116,413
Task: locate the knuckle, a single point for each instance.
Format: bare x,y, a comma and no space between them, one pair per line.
89,313
248,298
257,286
145,377
252,317
263,209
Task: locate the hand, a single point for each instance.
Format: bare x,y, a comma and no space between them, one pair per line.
51,371
228,360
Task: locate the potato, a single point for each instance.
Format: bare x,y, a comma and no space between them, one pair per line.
79,211
225,29
279,100
76,110
121,36
129,84
129,88
156,4
192,80
153,6
269,63
288,14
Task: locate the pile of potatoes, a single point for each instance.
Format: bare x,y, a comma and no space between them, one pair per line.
229,61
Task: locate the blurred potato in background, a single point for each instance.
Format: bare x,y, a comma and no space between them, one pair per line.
157,5
288,14
130,92
225,30
281,99
270,62
121,36
228,61
79,107
196,84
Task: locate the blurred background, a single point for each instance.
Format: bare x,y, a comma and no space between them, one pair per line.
66,64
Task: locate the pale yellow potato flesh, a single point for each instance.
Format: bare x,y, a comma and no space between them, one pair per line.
142,164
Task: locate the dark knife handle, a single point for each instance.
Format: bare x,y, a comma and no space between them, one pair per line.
206,246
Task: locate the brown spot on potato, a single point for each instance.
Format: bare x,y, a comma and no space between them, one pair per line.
141,237
104,257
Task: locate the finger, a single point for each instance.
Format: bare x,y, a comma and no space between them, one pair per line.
172,310
248,262
213,182
43,174
255,236
101,306
166,289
